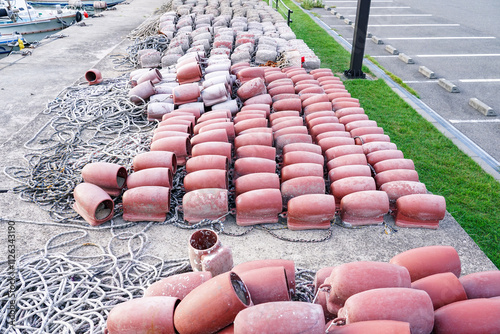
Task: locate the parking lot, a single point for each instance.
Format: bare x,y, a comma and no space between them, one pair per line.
459,44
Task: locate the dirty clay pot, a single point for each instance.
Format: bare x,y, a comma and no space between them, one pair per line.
360,124
110,177
155,159
339,151
312,211
267,284
259,99
320,120
353,184
326,127
206,178
249,73
214,115
368,138
349,111
318,106
314,99
281,89
213,148
156,110
302,186
143,315
256,151
255,181
181,126
378,156
285,96
178,145
249,124
258,207
364,208
248,115
397,189
189,92
157,176
483,284
344,104
280,82
227,126
93,77
352,118
304,147
246,166
443,288
429,260
189,73
287,104
274,76
257,138
204,204
291,138
346,160
348,171
264,107
153,74
310,89
361,131
216,135
284,122
301,169
385,165
372,327
219,300
281,317
392,175
178,285
251,88
93,203
329,134
146,203
206,253
140,93
284,113
329,142
420,210
208,161
300,129
215,94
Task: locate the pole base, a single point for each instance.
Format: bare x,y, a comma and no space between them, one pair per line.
354,74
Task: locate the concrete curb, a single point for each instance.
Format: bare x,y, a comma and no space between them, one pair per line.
482,107
391,49
405,58
448,85
427,72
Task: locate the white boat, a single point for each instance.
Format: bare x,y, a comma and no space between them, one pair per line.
34,24
87,4
9,42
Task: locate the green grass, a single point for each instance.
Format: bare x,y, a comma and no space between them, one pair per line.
472,195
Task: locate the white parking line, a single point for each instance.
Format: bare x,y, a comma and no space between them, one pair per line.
462,55
439,38
376,7
479,80
455,121
401,15
416,25
355,1
419,82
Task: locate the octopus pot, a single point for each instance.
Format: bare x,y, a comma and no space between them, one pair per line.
259,99
178,113
353,184
264,107
483,284
155,159
178,145
93,203
284,122
206,178
189,73
140,93
330,134
177,121
301,169
249,73
372,327
249,115
329,142
214,94
213,148
192,109
295,157
146,203
251,88
321,297
397,189
206,253
186,127
158,176
345,104
274,76
287,104
365,130
368,138
360,124
111,177
221,114
258,206
267,284
335,95
321,120
391,164
300,129
216,135
364,207
291,138
352,118
377,146
284,113
231,105
205,204
249,124
314,99
326,127
258,138
302,147
218,300
342,150
246,166
282,89
153,74
281,317
256,151
301,76
348,279
320,277
429,260
301,186
420,210
346,160
443,288
93,77
285,96
468,316
348,171
214,124
156,110
310,89
186,93
255,181
209,161
413,306
143,315
318,106
178,285
311,211
378,156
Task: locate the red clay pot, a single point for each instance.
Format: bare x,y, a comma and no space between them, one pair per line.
329,142
255,181
258,138
178,285
255,106
178,145
391,164
217,135
326,127
285,113
287,104
321,120
300,129
308,89
207,162
352,118
256,151
274,76
249,124
484,284
314,99
246,166
94,77
366,130
213,148
364,207
301,169
258,206
157,110
204,204
175,118
267,284
214,115
348,279
249,73
242,117
281,317
295,157
288,139
158,176
420,210
189,92
206,253
359,124
108,176
335,95
285,122
345,104
319,106
378,156
93,203
188,73
372,327
468,316
280,82
228,126
312,211
155,159
301,76
444,289
184,128
363,139
397,189
345,160
215,94
140,93
251,88
255,130
219,300
339,151
349,185
378,146
429,260
413,306
146,203
349,111
165,134
348,171
143,315
302,186
259,99
206,178
396,175
302,147
251,112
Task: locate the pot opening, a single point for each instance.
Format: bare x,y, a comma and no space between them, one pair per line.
203,239
104,210
121,177
240,289
90,76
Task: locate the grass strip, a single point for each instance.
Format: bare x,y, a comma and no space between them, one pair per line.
472,195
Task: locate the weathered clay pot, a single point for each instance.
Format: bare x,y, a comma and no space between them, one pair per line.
267,284
385,165
110,177
301,169
320,276
156,110
372,327
204,204
284,96
178,285
216,135
219,300
93,203
338,151
360,124
315,98
304,147
214,94
301,76
153,74
302,186
345,160
256,151
249,124
300,129
352,118
186,93
176,121
231,105
320,120
228,126
242,117
259,99
176,114
214,115
329,142
251,165
287,104
189,73
312,211
274,76
190,108
364,207
285,122
396,175
140,93
256,106
329,134
348,171
365,130
258,138
326,127
251,88
468,316
318,106
255,181
291,138
284,113
249,73
484,284
157,176
349,111
93,77
186,127
378,146
310,89
363,139
429,260
378,156
443,288
155,159
353,184
295,157
143,315
213,148
335,95
178,145
344,104
206,178
258,206
420,210
413,306
281,317
146,203
280,82
206,253
397,189
208,161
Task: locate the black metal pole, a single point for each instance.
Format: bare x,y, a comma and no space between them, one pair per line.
358,47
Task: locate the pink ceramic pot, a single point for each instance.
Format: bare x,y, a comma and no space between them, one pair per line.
249,124
315,107
110,177
215,94
157,176
420,210
250,73
282,89
242,117
93,77
301,169
338,151
155,159
280,82
281,317
302,186
344,104
214,115
326,127
143,315
180,146
366,130
377,146
313,121
284,122
385,165
283,96
178,285
396,175
188,73
259,99
93,203
302,147
291,138
295,157
353,184
156,110
217,135
219,300
274,76
206,178
258,138
352,118
335,95
246,166
349,111
301,129
364,207
484,284
255,181
310,89
255,106
348,171
369,138
256,151
208,161
284,113
372,327
258,206
140,93
330,134
314,99
378,156
397,189
205,204
152,74
429,260
189,92
227,126
444,289
179,119
267,284
251,88
346,160
301,76
146,203
287,104
312,211
359,124
213,148
329,142
206,253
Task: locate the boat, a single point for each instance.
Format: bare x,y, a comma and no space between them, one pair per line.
9,42
86,4
17,17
